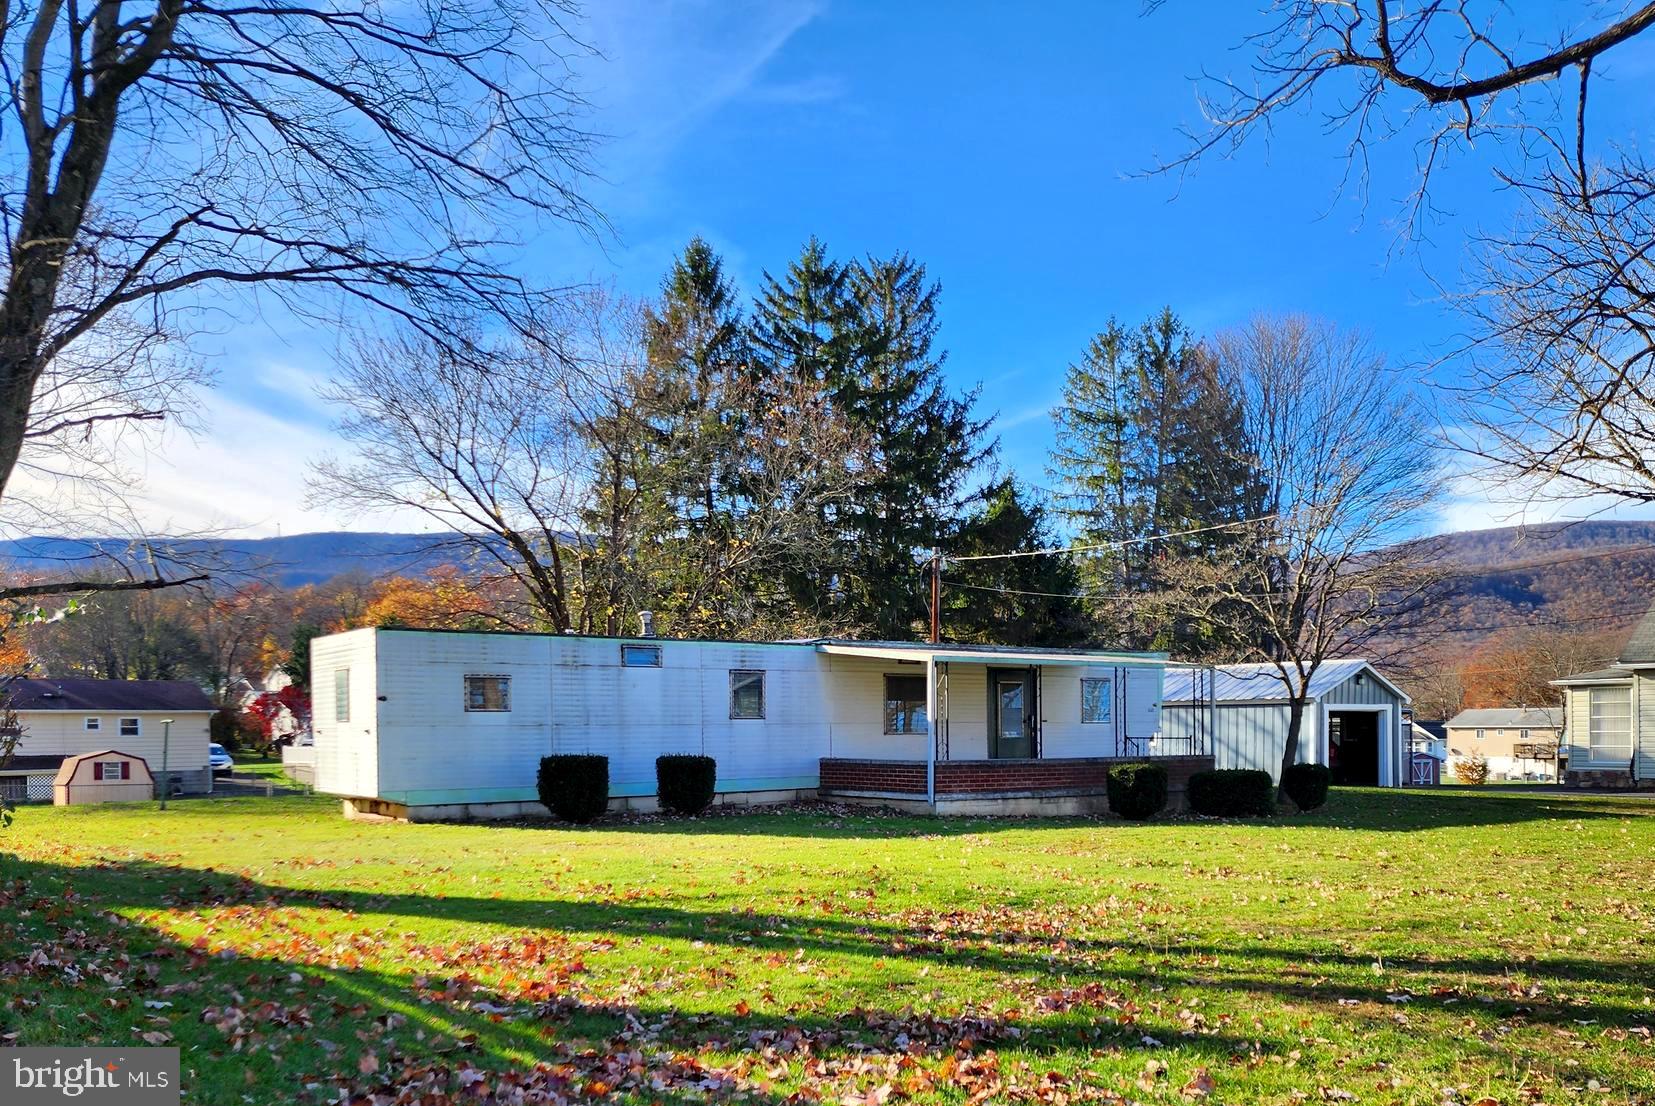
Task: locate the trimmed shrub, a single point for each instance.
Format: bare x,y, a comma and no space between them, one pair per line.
575,787
685,783
1306,785
1233,793
1137,792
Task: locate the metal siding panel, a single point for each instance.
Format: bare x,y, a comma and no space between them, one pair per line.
347,754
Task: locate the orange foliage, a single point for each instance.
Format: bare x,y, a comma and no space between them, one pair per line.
446,599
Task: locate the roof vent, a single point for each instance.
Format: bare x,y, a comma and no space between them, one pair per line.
646,623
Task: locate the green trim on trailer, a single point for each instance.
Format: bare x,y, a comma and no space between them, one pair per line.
449,795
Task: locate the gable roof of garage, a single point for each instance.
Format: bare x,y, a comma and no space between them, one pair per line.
1261,683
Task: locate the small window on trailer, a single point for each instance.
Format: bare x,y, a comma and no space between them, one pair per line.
1095,698
488,693
640,656
341,694
905,705
746,693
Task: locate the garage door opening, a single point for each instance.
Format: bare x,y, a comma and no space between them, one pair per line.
1353,747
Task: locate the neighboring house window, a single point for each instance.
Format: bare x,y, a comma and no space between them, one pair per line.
746,693
132,727
93,725
1523,734
1499,733
111,770
641,656
1610,730
1481,734
488,693
1094,699
341,695
905,704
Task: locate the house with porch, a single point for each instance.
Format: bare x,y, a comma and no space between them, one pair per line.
438,724
1609,718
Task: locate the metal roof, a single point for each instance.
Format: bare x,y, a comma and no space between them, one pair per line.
1255,683
96,695
983,654
1535,718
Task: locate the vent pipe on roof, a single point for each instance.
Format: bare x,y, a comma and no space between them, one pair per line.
646,623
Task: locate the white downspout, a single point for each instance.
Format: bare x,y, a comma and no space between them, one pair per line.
931,732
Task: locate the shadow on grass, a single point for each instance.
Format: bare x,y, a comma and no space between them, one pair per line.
1386,810
990,941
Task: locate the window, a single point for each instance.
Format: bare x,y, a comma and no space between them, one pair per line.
93,725
132,727
1499,733
746,693
905,704
341,695
641,656
1523,734
1095,699
1481,734
488,693
1610,730
111,770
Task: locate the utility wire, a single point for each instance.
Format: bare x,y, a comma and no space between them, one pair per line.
1123,543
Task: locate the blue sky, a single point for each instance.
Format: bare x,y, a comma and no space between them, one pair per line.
1004,150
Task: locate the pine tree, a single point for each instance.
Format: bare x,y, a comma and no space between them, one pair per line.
863,334
1151,445
1012,600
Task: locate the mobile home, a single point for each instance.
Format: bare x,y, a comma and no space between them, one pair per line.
452,724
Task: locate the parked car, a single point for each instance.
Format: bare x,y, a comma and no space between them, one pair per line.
219,760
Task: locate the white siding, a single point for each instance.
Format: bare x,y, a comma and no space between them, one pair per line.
1135,707
50,732
1643,724
855,709
347,753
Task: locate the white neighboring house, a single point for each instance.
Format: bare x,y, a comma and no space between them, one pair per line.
1353,720
451,723
59,718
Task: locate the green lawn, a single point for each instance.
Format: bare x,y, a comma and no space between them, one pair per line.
1396,947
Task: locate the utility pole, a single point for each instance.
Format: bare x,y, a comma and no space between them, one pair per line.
166,780
936,596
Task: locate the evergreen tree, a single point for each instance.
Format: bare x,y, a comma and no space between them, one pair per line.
1012,600
1151,444
864,335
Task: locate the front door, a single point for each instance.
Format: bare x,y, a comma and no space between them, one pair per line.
1012,713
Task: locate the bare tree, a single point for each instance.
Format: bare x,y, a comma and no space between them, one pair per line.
170,159
1555,395
1326,572
1560,399
485,442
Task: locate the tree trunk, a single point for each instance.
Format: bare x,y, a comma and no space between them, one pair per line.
1290,751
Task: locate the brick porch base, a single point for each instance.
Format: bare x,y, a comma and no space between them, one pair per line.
981,780
1602,779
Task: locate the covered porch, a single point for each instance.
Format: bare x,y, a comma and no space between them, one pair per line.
997,729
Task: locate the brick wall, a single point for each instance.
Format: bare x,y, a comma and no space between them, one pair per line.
990,777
